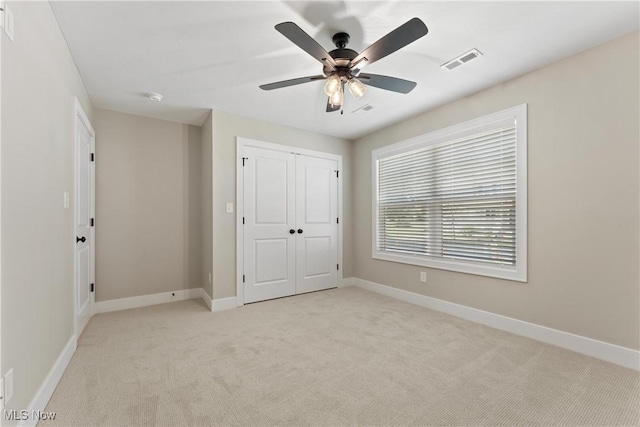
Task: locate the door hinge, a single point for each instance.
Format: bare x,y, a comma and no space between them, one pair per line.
93,157
243,159
92,287
337,220
243,278
337,174
337,266
243,220
92,222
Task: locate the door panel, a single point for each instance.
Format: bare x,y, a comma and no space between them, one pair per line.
316,214
317,200
266,251
269,215
83,214
271,184
318,259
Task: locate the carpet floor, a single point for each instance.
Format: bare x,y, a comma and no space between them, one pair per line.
332,358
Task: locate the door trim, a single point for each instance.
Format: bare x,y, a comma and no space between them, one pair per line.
242,142
80,114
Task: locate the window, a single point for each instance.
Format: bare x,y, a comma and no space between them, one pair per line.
455,199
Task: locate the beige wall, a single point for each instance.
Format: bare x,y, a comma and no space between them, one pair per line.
207,203
39,83
582,191
147,218
226,128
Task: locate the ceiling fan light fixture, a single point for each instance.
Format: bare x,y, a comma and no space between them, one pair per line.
356,88
336,98
333,85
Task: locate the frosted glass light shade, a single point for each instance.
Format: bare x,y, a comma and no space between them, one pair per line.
356,88
332,85
336,98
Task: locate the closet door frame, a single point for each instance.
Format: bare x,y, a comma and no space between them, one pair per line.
242,142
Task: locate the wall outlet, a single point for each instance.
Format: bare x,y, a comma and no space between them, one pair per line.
423,276
8,386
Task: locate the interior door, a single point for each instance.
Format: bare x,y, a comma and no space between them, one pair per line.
317,224
269,216
83,217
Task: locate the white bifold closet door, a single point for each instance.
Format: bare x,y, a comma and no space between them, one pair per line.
290,224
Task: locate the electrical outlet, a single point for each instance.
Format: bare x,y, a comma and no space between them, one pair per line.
8,386
423,276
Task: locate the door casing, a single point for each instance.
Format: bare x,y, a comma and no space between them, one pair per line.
242,142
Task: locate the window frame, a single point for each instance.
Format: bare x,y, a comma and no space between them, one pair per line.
516,273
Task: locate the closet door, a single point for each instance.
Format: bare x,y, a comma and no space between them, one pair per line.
316,221
269,215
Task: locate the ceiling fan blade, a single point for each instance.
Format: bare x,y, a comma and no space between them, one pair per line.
393,84
405,34
292,82
330,107
305,42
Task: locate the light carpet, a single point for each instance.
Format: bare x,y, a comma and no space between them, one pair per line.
338,357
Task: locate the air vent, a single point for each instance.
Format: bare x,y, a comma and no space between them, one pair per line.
362,109
462,59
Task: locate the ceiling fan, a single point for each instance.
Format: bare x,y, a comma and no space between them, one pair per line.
343,66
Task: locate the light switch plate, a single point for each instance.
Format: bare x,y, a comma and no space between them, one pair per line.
66,199
229,207
423,276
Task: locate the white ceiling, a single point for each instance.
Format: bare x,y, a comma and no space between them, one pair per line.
214,54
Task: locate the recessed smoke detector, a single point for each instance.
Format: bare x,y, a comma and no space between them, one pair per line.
462,59
155,97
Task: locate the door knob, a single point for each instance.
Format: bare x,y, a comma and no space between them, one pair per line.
299,230
81,239
292,231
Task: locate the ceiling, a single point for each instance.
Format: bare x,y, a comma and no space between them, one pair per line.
214,54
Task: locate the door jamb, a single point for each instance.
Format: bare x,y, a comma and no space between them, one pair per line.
242,142
80,114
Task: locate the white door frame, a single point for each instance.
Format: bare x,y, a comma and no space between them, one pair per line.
2,405
242,142
80,114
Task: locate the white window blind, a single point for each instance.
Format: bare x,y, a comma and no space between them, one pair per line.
452,199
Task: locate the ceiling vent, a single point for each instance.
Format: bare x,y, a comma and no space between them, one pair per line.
462,59
362,109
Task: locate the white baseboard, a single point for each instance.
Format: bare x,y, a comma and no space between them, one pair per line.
221,304
206,298
609,352
145,300
39,402
164,297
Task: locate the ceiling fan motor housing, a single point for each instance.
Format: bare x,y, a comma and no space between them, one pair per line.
342,56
